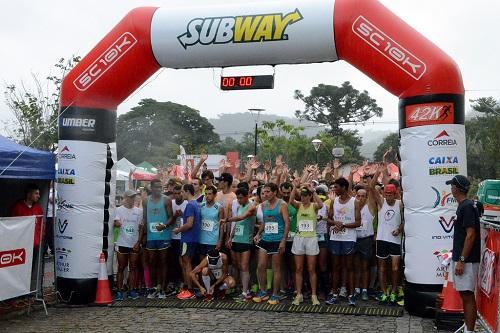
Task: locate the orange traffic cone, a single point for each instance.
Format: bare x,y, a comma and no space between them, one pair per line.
103,294
451,298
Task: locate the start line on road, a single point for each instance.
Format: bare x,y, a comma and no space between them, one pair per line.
386,311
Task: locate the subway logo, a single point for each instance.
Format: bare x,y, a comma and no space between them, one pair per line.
238,29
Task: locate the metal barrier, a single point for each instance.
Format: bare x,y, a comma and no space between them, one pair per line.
488,285
36,278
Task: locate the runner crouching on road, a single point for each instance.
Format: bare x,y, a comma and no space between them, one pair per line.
214,274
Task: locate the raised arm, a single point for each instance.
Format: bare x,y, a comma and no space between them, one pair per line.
203,158
379,200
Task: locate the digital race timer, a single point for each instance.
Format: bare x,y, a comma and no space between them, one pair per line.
247,82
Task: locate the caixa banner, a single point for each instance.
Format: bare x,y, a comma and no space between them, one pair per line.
16,255
430,155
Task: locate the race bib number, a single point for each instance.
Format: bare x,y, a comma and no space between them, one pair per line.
207,225
271,228
321,237
152,227
238,230
129,230
217,273
305,226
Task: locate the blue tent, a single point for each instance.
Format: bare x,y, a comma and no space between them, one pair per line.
28,163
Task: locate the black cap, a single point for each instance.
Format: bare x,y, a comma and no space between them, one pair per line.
225,177
459,181
213,256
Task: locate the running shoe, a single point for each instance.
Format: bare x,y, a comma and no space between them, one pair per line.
243,297
119,296
161,295
298,299
221,294
208,298
401,302
352,300
133,294
249,295
343,292
383,299
401,293
261,296
152,293
273,300
255,288
392,298
315,300
185,294
333,299
364,295
169,291
282,295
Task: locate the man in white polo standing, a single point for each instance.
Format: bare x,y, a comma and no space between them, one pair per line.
466,249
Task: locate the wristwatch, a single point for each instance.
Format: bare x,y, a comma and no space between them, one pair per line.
461,258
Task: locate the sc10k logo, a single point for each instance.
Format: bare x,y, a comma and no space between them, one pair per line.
389,48
238,29
105,61
12,257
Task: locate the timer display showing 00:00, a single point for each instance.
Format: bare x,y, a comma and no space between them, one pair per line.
247,82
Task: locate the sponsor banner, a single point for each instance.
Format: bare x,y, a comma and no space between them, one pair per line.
96,125
16,255
487,293
430,155
80,219
429,114
257,33
78,242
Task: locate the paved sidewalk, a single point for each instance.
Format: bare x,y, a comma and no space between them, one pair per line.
105,319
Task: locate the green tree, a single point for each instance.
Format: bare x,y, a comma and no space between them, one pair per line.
278,138
391,140
35,107
334,106
483,140
154,130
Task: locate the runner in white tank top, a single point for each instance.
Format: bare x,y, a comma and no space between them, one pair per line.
364,243
390,228
344,217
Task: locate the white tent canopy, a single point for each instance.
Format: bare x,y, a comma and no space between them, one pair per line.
123,167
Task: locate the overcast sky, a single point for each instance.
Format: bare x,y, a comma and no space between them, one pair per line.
35,34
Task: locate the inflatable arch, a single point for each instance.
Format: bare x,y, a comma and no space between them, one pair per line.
361,32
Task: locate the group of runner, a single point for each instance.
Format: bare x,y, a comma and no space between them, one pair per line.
267,236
